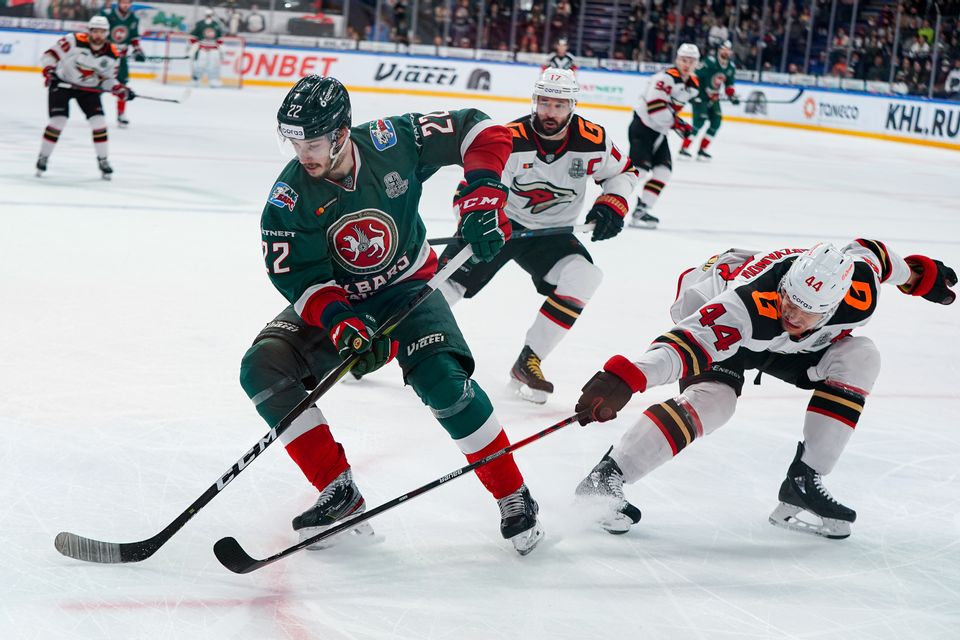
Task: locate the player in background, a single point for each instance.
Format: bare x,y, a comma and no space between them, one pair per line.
716,74
125,36
561,59
344,242
556,153
653,120
205,49
788,313
89,63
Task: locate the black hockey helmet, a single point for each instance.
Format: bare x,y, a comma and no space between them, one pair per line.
315,106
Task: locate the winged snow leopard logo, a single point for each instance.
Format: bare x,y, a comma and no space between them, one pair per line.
542,195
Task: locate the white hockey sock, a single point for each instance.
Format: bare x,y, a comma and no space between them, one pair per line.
576,279
655,185
544,335
98,125
51,134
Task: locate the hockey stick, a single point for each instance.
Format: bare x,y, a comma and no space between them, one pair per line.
790,101
526,233
90,550
233,557
164,58
67,85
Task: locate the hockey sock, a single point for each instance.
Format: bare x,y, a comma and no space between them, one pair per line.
687,142
98,125
654,186
555,318
121,106
831,417
51,134
311,446
705,142
500,477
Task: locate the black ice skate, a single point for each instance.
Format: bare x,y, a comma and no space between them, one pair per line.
803,491
105,169
604,485
122,122
642,218
518,520
528,380
41,165
703,156
341,499
684,154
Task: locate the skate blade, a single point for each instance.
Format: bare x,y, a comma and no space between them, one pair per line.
606,512
786,516
684,158
525,542
638,224
702,159
360,532
530,395
106,176
39,174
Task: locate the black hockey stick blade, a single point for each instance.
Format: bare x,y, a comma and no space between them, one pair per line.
89,550
526,233
236,559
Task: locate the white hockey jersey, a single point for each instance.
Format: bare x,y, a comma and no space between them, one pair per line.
732,302
547,189
78,64
666,94
566,61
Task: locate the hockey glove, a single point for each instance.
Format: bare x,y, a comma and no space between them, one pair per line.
49,75
351,336
732,97
121,91
682,127
483,223
609,391
138,55
933,282
607,215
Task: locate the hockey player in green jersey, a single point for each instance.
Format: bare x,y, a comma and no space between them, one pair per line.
344,242
125,36
716,74
205,50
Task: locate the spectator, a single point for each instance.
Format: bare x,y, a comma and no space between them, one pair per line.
529,42
234,22
462,27
255,22
951,86
877,72
401,24
919,48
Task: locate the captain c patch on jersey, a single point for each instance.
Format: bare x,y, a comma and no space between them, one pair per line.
541,195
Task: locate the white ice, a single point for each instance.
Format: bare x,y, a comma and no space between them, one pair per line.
127,305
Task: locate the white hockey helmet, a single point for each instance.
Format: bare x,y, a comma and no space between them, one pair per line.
98,22
818,279
688,50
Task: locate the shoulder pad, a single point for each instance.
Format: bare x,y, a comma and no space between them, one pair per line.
694,80
114,50
673,71
81,37
586,135
861,300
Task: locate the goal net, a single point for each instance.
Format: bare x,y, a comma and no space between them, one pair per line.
185,61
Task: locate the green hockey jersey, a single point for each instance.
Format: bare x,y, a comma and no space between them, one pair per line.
714,77
324,241
124,29
207,32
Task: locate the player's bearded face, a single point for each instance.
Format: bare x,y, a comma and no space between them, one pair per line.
552,114
795,320
314,155
124,5
723,55
98,37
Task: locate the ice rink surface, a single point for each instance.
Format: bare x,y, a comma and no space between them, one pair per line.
128,304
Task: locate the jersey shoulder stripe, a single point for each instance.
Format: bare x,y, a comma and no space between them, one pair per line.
761,299
861,299
586,136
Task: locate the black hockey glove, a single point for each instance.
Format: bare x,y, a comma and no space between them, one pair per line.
138,55
732,96
934,281
483,223
607,215
609,391
351,336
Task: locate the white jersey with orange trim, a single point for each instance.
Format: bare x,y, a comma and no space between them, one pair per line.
732,302
547,189
665,96
81,65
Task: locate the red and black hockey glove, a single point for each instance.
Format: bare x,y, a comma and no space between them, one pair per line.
351,336
609,391
49,75
607,215
933,282
732,96
682,127
483,222
121,91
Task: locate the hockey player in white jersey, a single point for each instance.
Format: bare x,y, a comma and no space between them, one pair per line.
653,119
788,313
555,154
79,67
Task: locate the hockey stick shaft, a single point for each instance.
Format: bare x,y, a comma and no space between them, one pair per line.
80,548
526,233
67,85
233,557
790,101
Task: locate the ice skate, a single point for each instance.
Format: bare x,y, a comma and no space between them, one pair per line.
642,218
604,486
122,122
106,171
703,156
804,501
41,165
340,500
518,520
684,154
527,378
